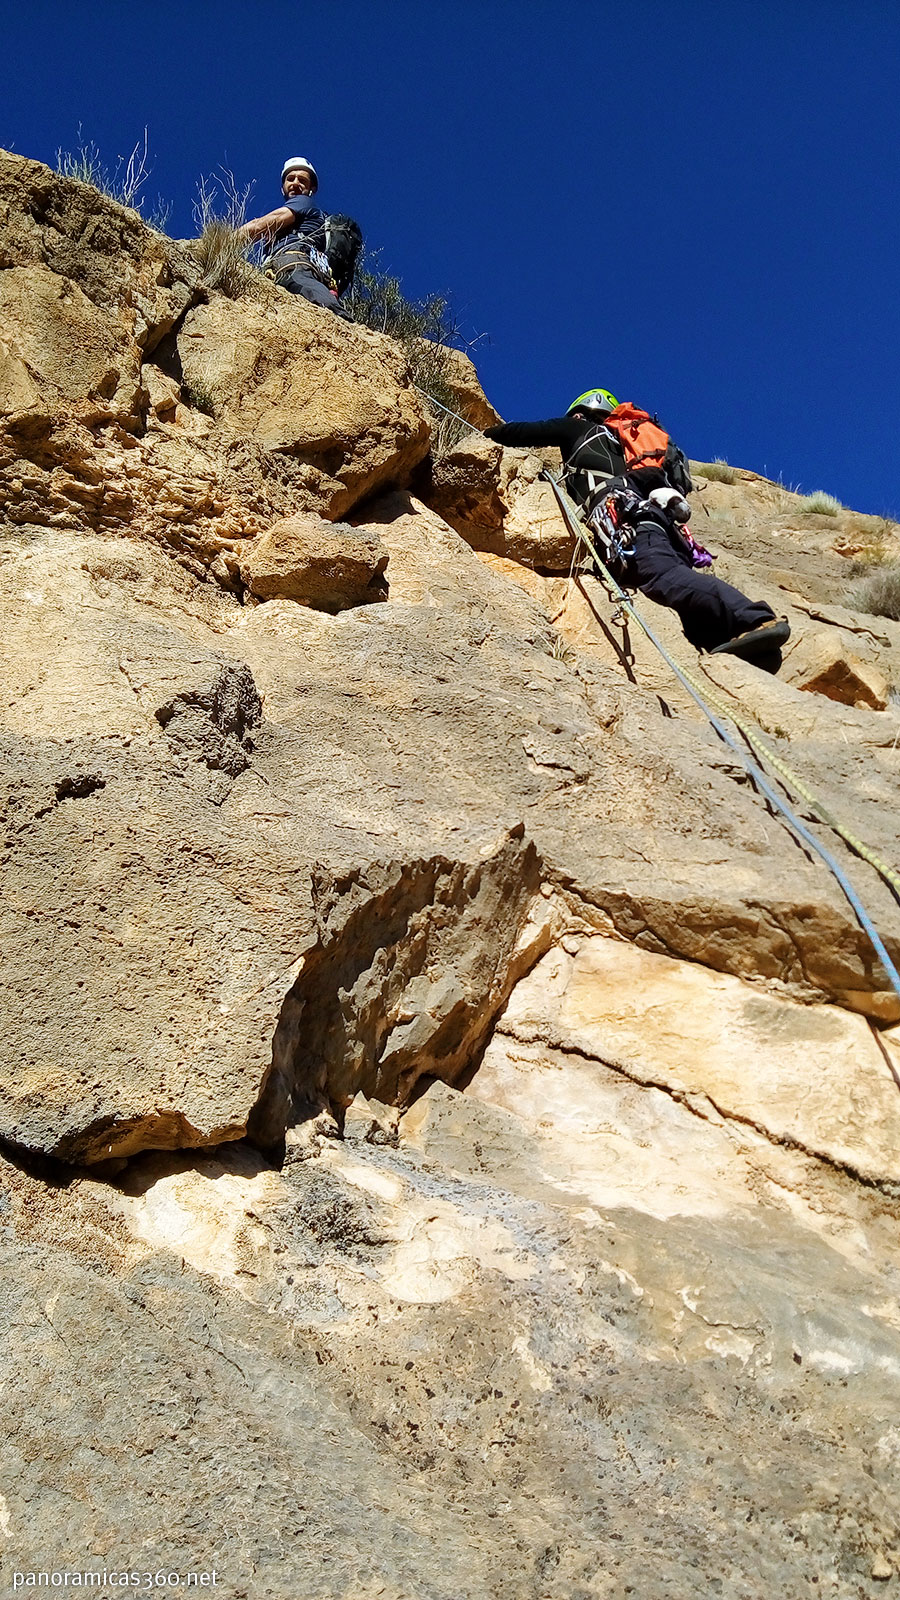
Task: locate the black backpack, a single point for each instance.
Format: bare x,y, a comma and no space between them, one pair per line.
341,239
596,461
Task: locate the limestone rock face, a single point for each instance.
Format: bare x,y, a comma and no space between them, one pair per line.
448,1123
495,499
317,563
284,376
58,343
130,397
705,1037
59,228
410,967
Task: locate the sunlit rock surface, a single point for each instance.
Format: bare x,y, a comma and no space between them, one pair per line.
449,1125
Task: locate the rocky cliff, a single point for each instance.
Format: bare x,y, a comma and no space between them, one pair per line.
449,1125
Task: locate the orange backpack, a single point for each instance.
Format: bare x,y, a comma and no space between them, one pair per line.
644,442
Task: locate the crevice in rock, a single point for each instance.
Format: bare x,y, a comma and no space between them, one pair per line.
78,785
110,1140
693,1102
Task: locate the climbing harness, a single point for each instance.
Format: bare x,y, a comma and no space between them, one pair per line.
705,700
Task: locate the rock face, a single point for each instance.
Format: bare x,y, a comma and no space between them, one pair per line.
448,1125
496,500
409,970
130,398
277,376
712,1040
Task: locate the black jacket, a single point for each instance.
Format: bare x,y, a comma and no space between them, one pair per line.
585,448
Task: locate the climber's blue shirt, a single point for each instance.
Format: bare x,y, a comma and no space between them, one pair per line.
307,216
308,220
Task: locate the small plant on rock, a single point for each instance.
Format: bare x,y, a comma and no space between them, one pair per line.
220,209
879,593
424,328
824,505
199,397
122,183
719,471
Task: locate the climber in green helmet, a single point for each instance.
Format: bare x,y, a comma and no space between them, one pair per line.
609,446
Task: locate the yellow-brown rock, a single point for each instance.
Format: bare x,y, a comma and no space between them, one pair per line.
290,378
448,1131
458,375
326,565
823,663
112,356
496,500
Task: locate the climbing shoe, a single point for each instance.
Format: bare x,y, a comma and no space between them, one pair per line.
759,641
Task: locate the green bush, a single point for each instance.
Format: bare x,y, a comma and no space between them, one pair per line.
199,397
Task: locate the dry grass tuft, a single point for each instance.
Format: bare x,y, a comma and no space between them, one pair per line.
222,256
718,471
122,183
822,504
220,209
879,593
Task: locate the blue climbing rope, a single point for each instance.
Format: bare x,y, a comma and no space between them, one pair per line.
755,773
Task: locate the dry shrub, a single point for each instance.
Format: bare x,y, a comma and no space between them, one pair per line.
122,183
824,505
424,329
719,471
879,593
220,209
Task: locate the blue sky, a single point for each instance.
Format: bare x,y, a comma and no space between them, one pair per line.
694,204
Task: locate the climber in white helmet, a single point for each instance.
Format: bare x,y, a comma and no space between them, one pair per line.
294,231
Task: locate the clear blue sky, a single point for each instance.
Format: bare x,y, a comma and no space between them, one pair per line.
693,204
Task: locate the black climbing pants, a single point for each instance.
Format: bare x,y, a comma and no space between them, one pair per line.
303,282
710,611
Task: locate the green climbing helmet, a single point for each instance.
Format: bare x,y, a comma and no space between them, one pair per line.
598,400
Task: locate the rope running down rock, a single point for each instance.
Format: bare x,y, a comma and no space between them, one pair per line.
701,695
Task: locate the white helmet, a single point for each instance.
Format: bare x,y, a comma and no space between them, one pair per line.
300,161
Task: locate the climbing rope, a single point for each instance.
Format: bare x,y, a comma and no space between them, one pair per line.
700,694
432,402
704,697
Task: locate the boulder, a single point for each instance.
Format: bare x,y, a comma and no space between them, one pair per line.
823,663
282,375
326,565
